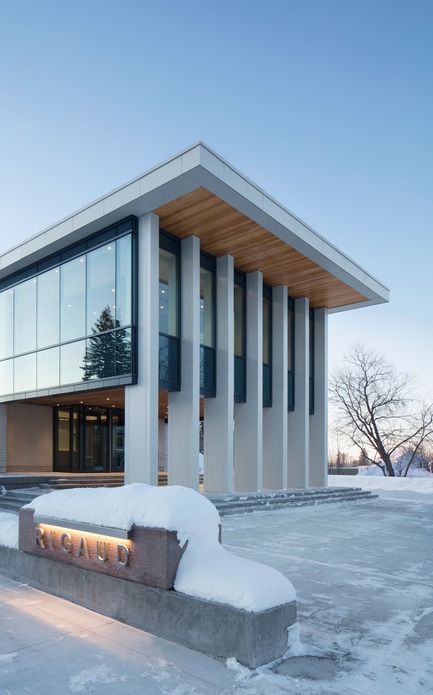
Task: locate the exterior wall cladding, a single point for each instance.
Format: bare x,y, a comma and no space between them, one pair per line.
217,326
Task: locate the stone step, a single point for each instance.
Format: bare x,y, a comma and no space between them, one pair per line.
242,504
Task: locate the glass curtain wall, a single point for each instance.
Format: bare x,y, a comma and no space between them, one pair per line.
311,355
169,313
267,346
71,323
291,355
240,337
207,326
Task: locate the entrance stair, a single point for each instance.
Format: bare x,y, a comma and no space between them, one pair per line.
18,490
228,504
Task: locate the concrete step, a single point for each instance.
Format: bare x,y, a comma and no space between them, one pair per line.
263,501
13,500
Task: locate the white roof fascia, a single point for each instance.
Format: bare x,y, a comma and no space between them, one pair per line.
197,166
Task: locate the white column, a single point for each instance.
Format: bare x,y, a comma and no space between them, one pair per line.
319,420
184,405
248,465
218,412
298,421
141,399
3,437
275,418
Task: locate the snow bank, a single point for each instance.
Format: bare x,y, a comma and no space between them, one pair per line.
206,570
9,530
380,482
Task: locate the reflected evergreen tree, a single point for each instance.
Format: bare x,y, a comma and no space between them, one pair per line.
108,353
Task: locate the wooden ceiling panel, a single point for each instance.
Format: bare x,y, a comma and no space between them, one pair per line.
224,230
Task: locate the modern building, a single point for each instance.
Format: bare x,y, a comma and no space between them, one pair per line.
187,309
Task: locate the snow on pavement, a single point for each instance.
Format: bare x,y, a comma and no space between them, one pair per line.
363,575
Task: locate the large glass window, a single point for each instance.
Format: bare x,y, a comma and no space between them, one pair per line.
72,362
25,317
6,377
73,299
48,308
25,373
311,352
47,368
267,346
239,336
123,281
6,323
207,326
73,321
168,293
291,355
169,320
101,290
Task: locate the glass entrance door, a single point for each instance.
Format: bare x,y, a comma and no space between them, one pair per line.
89,439
96,440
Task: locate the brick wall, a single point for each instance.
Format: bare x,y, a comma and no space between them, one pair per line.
29,438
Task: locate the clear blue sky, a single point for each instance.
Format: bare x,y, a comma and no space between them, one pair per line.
326,104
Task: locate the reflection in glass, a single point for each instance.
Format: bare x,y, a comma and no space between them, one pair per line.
25,317
207,332
168,293
48,368
72,303
6,323
118,441
267,327
25,373
239,312
123,311
108,354
6,377
291,355
63,430
101,290
71,360
48,308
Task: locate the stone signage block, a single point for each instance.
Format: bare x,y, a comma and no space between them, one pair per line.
147,555
216,629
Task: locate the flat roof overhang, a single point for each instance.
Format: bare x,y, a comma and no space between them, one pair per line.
197,192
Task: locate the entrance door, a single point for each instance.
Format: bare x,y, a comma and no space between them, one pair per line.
96,440
89,439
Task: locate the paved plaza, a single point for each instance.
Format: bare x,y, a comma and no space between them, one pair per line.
363,572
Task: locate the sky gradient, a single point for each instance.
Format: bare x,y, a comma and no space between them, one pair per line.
325,104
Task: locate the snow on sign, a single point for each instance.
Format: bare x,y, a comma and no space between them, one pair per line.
165,537
156,539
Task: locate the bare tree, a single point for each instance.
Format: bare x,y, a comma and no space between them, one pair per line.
376,409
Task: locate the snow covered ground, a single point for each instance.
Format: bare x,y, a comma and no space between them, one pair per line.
363,573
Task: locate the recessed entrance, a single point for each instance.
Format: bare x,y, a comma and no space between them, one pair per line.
89,439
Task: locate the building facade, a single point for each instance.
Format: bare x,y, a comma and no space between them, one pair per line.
181,318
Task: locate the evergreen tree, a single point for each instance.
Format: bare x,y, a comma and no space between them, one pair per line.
108,352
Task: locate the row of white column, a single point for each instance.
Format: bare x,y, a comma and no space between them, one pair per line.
246,447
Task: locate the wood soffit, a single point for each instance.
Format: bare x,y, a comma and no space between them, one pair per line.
98,398
224,230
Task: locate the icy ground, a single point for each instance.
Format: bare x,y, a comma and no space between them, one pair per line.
363,573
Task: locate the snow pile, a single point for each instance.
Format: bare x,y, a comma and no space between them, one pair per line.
380,482
206,570
412,473
8,530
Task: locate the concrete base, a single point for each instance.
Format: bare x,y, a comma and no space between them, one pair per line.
215,629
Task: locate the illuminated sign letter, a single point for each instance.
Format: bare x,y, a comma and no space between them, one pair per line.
102,556
122,556
65,543
83,549
39,538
